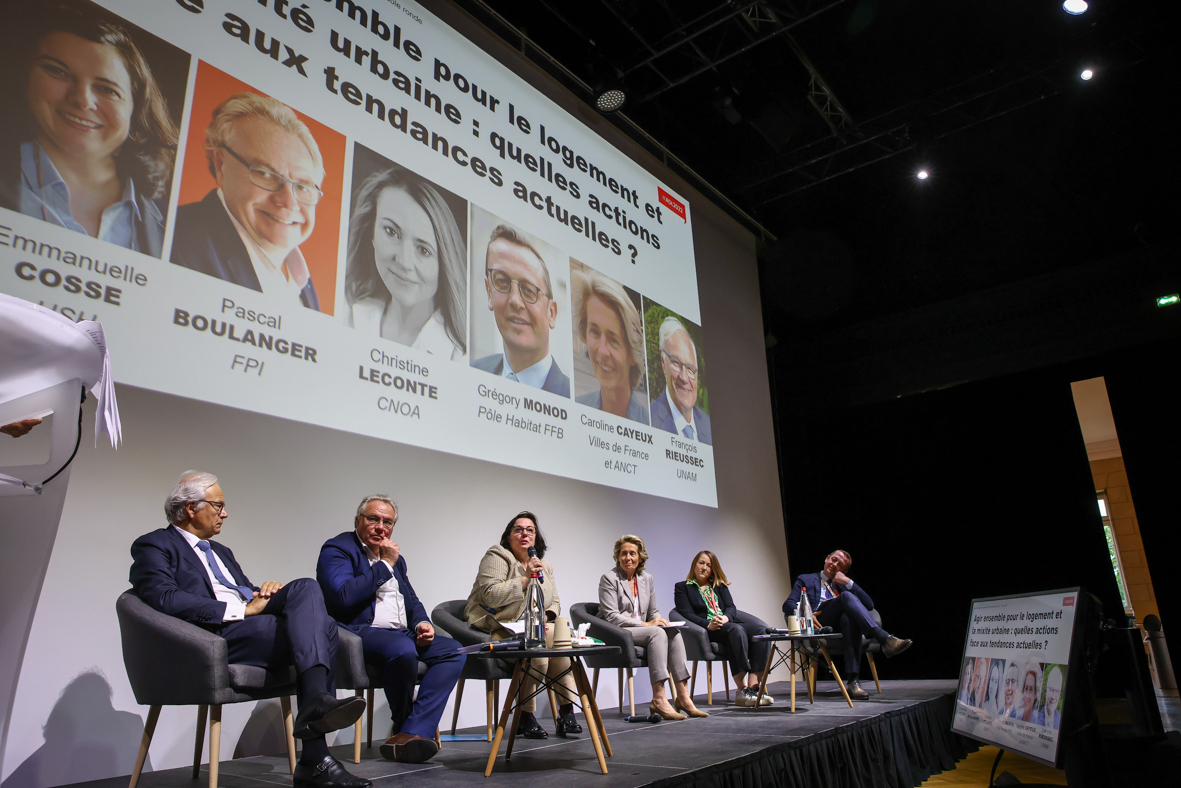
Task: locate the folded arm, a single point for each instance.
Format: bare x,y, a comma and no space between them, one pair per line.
343,586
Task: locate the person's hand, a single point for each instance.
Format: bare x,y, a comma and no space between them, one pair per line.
841,579
723,619
816,621
657,622
18,429
388,551
425,633
715,624
268,589
534,565
256,605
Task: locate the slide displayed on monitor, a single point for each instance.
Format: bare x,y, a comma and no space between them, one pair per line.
347,214
1013,675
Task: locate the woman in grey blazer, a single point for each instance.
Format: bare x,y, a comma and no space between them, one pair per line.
627,598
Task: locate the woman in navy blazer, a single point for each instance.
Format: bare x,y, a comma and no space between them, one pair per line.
704,598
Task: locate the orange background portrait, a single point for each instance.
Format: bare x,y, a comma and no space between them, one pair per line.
320,249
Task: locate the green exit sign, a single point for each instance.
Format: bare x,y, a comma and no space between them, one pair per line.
1168,300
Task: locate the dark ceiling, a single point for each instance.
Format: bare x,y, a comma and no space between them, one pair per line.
1032,169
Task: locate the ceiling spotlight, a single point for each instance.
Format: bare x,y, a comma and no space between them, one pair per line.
1075,7
610,99
922,175
1086,74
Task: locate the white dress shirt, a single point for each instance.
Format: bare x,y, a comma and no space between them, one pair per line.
678,417
235,606
286,279
390,610
531,376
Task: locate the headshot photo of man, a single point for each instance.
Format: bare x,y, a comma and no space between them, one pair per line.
252,227
675,407
520,296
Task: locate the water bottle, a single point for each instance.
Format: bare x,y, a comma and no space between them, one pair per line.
534,613
808,628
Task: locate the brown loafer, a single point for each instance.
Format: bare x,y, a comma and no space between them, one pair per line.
408,748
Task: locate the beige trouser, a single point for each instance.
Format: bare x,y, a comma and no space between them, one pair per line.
564,688
665,651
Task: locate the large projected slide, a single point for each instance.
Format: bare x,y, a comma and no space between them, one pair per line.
346,214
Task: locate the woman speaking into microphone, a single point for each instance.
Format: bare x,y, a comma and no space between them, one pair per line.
499,591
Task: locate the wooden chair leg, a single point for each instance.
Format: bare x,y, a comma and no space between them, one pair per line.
146,741
289,731
490,697
709,682
202,715
621,690
631,693
726,682
458,700
438,739
693,679
874,669
214,743
369,716
595,683
553,706
357,733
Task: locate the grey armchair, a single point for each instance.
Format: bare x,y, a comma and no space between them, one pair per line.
630,655
353,673
448,616
699,648
171,662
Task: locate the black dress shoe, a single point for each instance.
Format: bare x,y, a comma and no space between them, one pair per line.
529,728
567,724
328,773
855,691
895,646
409,748
326,714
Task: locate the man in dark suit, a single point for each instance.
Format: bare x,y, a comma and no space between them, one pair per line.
525,313
247,231
843,605
675,409
178,570
363,576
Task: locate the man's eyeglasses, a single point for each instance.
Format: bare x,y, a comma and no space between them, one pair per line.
504,284
373,519
679,366
306,193
518,531
218,506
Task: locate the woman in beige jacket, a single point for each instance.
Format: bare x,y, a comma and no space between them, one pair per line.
627,598
499,591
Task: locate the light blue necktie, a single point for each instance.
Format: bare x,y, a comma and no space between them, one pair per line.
203,546
688,432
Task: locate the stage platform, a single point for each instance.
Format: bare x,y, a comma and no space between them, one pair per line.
898,738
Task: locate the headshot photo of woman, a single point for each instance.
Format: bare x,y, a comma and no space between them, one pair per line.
966,679
992,690
406,276
1031,691
90,139
607,323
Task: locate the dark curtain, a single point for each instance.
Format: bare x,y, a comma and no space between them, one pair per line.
978,490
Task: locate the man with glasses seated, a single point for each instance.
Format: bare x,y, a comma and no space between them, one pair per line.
366,588
675,409
179,570
522,299
248,230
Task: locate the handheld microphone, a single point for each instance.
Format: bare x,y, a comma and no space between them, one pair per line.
533,554
637,718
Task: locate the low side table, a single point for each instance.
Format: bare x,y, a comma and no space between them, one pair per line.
523,659
794,657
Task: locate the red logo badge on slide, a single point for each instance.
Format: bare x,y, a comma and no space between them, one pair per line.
672,203
1067,601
